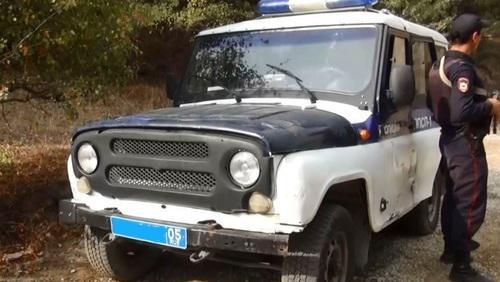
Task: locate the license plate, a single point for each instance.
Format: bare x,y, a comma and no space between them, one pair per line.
161,234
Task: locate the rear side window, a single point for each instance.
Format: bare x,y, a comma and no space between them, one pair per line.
399,52
440,51
422,63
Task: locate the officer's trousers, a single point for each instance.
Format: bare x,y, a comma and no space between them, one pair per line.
465,170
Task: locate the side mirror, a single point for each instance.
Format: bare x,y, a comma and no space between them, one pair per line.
172,86
402,86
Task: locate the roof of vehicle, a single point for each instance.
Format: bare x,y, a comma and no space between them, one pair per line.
328,18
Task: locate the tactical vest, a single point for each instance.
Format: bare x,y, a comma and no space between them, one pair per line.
440,87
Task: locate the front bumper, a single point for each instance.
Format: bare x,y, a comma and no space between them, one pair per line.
200,236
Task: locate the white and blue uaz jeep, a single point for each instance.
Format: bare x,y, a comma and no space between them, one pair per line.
295,136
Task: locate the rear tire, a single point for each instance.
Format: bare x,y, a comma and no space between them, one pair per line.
324,251
120,259
424,219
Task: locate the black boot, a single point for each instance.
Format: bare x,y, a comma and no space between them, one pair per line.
463,272
447,257
474,245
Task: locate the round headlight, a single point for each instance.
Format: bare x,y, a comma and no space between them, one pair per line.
245,169
87,158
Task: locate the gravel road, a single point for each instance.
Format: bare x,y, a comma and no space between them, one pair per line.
394,255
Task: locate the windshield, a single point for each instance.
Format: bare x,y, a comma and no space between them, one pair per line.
328,60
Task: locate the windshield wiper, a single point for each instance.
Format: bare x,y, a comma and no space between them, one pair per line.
225,89
297,79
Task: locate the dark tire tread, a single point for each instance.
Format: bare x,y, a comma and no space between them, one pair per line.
96,253
108,259
303,263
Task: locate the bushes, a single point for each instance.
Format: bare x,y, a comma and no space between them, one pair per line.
56,50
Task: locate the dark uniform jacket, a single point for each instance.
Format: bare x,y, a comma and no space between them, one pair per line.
463,108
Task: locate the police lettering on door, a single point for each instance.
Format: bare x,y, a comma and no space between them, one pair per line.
422,123
422,120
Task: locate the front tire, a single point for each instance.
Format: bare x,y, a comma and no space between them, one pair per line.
324,250
120,259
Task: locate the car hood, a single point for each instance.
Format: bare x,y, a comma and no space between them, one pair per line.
282,129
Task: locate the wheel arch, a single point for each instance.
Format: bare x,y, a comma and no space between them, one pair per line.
353,195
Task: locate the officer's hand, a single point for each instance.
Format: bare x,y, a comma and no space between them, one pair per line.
495,110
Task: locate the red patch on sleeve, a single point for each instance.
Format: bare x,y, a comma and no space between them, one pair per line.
463,84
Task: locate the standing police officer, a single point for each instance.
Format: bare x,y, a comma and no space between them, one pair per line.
464,112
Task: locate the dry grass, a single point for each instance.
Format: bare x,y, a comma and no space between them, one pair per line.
32,179
34,138
50,123
34,147
29,167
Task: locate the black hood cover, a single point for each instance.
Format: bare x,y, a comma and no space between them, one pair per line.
282,129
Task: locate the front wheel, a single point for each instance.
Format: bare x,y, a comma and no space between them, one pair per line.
120,259
324,250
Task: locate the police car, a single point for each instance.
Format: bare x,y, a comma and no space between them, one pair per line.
295,137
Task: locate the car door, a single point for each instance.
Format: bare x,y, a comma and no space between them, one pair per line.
425,131
395,129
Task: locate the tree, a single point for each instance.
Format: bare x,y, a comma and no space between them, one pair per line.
56,49
200,14
59,49
51,47
439,13
440,17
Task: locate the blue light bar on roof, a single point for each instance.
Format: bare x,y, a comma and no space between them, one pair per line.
286,6
337,4
273,7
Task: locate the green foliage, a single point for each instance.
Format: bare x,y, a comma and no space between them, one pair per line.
60,45
198,14
60,49
5,157
439,13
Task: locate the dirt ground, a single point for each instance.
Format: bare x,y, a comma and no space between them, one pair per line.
394,255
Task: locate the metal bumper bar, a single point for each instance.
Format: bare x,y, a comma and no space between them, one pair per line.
200,236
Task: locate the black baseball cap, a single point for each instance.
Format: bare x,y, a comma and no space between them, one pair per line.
465,25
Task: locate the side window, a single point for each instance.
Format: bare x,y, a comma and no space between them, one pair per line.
440,51
397,55
422,63
399,52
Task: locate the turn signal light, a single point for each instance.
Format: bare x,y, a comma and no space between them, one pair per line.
83,185
260,203
364,135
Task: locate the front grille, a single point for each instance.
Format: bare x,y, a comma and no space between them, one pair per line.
160,148
162,180
175,167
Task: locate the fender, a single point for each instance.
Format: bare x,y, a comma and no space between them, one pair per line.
298,198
